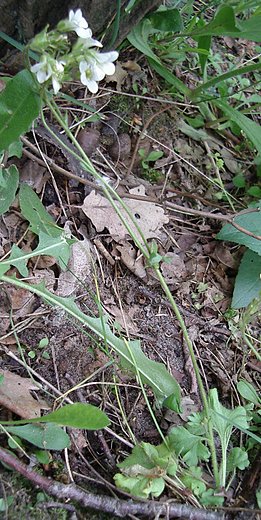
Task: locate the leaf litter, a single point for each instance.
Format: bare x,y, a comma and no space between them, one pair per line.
194,274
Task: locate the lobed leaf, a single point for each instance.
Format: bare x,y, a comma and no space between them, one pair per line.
154,374
34,211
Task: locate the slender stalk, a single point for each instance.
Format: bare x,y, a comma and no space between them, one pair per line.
146,251
210,436
108,190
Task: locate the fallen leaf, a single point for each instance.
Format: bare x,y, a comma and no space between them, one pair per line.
118,77
124,319
149,216
79,268
15,396
176,270
130,259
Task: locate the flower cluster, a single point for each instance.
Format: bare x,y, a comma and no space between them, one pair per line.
60,55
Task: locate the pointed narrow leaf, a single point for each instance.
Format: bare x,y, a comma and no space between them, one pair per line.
34,211
248,281
249,127
9,179
78,415
58,247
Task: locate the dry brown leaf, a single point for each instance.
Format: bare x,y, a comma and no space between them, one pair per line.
118,77
176,270
149,216
15,396
79,268
129,258
125,320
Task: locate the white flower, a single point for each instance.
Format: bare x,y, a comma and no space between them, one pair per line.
49,68
96,68
104,62
78,24
88,42
89,78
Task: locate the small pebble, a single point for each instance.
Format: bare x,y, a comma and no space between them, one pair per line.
89,140
121,147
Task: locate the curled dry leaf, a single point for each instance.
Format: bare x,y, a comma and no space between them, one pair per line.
78,270
150,217
15,396
131,260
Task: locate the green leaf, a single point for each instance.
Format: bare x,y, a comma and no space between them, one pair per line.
248,392
154,156
19,106
58,247
138,37
9,180
151,372
5,503
237,458
209,498
248,281
138,456
77,415
204,43
139,485
224,420
193,480
34,211
254,191
166,20
249,127
250,29
250,221
45,436
42,456
169,77
15,149
191,447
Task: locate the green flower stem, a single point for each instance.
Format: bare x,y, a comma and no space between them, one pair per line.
146,251
249,344
203,394
108,190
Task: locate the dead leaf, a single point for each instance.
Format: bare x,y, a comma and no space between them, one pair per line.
149,216
79,268
132,66
34,175
130,259
118,77
176,270
124,319
15,396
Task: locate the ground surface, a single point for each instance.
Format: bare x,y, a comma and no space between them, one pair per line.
201,276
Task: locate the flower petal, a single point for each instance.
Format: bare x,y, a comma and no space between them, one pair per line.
56,84
104,57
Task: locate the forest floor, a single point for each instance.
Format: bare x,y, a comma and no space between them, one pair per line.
175,198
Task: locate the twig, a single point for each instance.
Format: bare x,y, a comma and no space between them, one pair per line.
116,506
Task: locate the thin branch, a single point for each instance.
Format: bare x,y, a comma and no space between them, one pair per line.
104,503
